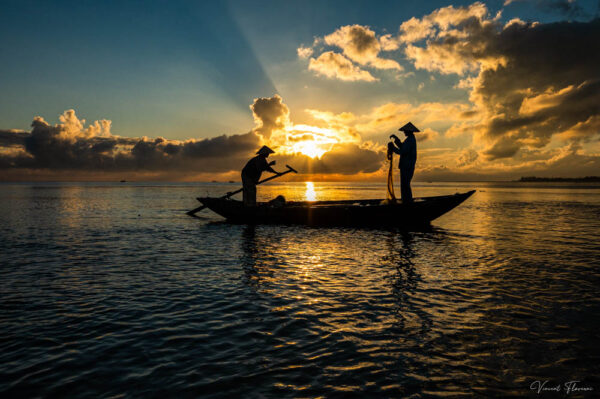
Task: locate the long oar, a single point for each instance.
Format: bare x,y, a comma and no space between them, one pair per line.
290,169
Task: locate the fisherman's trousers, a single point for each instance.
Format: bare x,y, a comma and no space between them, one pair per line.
406,175
249,191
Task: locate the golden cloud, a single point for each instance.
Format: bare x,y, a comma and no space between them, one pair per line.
304,52
360,44
333,65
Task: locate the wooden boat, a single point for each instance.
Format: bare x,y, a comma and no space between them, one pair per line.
371,212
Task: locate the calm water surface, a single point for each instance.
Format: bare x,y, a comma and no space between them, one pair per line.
110,290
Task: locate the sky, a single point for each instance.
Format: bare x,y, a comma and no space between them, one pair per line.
189,90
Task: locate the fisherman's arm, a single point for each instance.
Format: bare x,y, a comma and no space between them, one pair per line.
268,167
398,147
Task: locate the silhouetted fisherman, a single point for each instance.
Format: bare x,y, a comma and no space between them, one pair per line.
408,159
252,171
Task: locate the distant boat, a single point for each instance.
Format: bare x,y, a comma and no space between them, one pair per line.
123,181
338,213
231,181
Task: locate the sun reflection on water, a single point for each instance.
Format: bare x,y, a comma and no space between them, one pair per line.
310,194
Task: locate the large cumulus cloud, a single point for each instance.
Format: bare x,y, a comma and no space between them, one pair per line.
531,82
72,146
549,85
270,114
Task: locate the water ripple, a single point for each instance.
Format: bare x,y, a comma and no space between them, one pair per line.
109,304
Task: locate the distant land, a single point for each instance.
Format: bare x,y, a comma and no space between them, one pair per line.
587,179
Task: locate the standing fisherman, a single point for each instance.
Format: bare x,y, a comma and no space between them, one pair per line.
408,159
252,171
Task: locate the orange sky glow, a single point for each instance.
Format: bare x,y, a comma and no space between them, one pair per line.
495,96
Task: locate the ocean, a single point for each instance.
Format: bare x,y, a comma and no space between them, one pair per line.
110,290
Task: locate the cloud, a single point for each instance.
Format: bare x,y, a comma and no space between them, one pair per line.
391,116
343,159
87,151
549,85
514,21
528,82
503,148
360,44
549,99
343,118
73,128
334,65
304,52
586,131
414,30
428,135
438,23
459,40
217,154
467,157
12,138
388,43
70,145
561,162
361,48
270,114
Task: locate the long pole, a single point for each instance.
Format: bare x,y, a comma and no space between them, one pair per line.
290,169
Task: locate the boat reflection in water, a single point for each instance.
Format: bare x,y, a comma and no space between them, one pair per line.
474,308
377,311
337,304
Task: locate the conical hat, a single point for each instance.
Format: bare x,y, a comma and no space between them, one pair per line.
409,127
265,150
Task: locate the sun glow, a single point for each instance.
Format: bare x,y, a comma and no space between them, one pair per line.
311,141
310,193
309,148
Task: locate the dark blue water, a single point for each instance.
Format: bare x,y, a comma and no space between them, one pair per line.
110,290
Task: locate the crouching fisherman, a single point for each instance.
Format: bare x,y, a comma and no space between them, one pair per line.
408,159
252,171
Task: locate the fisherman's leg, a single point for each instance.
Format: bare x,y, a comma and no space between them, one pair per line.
249,192
405,177
403,188
244,189
252,195
409,177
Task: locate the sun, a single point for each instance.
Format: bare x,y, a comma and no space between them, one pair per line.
312,141
309,148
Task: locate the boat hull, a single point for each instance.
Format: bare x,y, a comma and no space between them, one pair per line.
338,213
